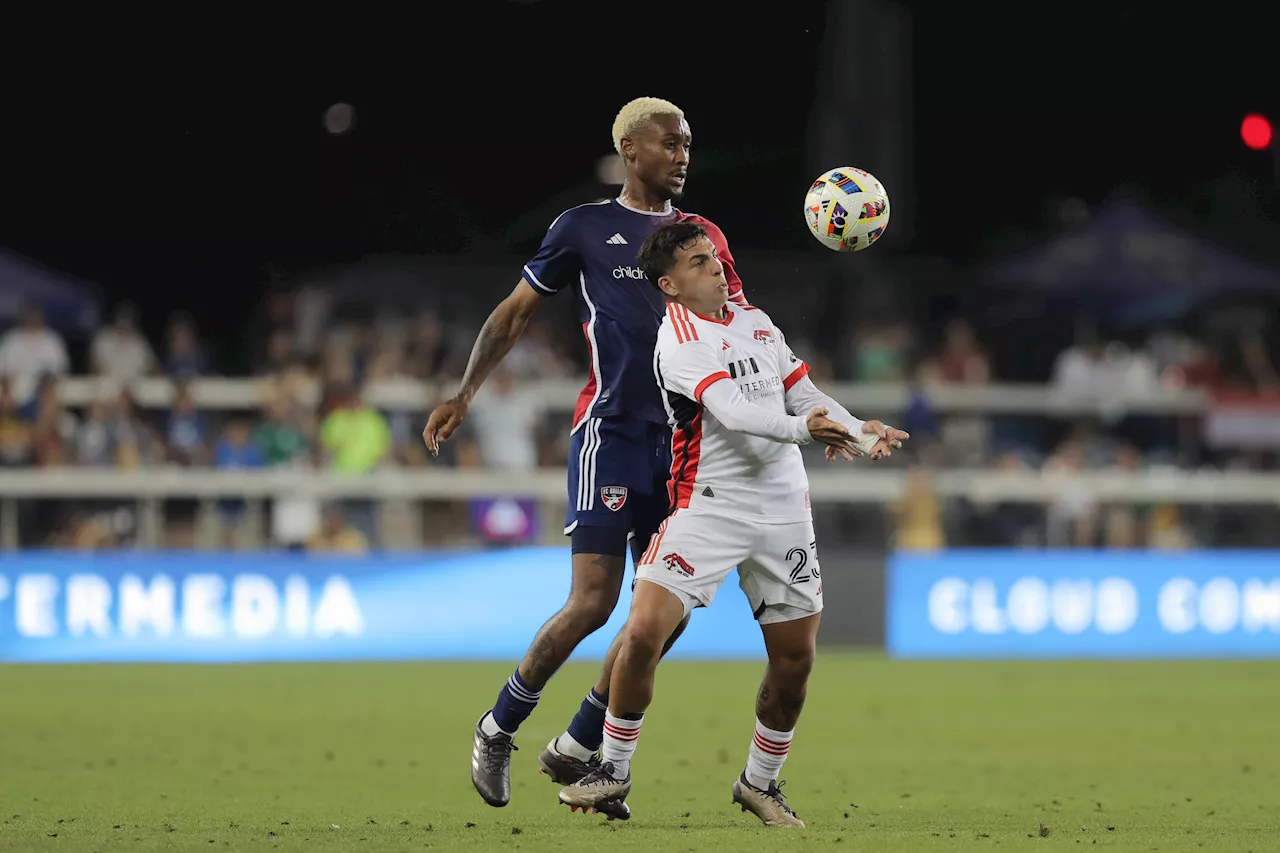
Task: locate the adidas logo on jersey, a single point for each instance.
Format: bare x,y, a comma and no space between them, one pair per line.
617,240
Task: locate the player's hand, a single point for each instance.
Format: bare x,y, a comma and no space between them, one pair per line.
832,434
889,439
442,422
847,454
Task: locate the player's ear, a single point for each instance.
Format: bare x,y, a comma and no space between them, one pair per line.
668,287
628,146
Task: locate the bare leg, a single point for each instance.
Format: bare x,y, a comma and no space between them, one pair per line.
606,672
655,615
791,647
597,580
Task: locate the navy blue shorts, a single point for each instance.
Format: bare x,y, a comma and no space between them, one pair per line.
618,473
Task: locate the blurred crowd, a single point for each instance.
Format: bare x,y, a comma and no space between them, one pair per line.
299,343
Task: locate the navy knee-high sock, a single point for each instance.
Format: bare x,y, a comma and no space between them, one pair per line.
516,702
587,727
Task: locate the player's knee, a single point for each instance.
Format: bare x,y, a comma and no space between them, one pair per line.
793,665
644,638
591,610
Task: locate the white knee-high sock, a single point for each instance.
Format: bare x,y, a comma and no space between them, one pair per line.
769,750
620,737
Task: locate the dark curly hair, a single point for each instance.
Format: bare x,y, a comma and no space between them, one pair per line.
657,253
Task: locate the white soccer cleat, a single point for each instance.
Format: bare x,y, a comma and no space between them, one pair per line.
596,788
768,805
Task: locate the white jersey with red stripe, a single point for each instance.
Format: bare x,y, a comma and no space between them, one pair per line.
713,467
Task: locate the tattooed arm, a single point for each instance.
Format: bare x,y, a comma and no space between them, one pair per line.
499,334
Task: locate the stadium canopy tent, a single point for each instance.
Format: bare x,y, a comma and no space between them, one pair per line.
69,304
1132,265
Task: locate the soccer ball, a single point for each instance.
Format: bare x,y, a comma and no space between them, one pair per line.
846,209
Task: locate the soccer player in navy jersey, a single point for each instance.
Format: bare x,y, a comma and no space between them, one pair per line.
620,456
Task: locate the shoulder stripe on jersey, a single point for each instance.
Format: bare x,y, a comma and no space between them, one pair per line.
688,322
576,207
684,329
675,324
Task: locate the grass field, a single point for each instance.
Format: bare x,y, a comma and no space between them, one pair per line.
890,756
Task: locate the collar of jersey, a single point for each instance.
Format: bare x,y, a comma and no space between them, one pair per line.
670,209
728,316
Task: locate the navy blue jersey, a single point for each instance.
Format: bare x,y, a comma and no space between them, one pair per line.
592,249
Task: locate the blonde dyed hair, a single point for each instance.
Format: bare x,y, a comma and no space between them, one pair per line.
638,113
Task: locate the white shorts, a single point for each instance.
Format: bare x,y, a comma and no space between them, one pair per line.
694,550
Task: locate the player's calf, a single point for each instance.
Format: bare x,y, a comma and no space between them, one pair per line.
655,613
791,644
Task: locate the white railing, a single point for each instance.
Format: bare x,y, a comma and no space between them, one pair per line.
148,488
849,486
560,395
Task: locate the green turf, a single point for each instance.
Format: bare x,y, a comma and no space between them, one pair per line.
889,756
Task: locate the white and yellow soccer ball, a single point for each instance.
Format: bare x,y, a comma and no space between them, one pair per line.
846,209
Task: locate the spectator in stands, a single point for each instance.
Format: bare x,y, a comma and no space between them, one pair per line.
506,420
919,517
54,428
386,363
356,439
1120,522
184,356
185,430
337,367
1081,368
880,352
281,434
428,349
235,450
337,535
1165,530
961,359
1258,372
112,435
535,355
32,350
280,353
354,435
95,440
120,351
1072,514
15,433
284,436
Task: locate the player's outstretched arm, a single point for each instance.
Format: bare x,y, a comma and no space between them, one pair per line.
499,334
872,438
736,413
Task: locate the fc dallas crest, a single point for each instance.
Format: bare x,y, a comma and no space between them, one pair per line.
613,496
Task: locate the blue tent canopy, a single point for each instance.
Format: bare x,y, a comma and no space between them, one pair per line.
1125,250
69,304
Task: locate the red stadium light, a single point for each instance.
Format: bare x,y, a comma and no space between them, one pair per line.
1255,130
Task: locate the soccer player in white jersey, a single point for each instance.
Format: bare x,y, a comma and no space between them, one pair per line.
739,402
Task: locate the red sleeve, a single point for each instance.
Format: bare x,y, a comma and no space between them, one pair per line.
736,294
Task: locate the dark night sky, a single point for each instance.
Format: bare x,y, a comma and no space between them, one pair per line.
187,163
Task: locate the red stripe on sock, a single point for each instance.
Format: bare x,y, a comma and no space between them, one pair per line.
772,742
771,750
617,733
